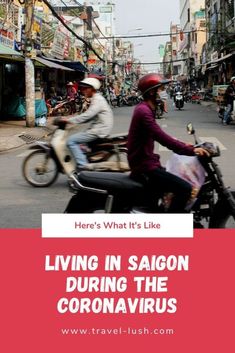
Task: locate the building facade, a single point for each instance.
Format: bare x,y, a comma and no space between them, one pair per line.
188,8
220,42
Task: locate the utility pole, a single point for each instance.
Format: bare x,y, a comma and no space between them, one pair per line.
29,66
106,75
113,56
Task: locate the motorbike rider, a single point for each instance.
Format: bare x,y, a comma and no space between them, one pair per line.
178,88
144,164
99,114
229,99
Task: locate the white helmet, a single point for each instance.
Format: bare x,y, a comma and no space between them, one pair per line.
90,81
232,78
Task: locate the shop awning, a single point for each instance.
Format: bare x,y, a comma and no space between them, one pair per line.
74,65
6,51
212,67
52,64
214,63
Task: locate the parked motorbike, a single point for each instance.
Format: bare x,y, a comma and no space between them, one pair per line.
59,106
179,100
208,95
196,97
188,97
81,103
118,193
42,166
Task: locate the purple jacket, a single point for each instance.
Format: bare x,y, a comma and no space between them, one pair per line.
142,133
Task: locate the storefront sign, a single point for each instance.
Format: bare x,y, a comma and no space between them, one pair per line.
59,45
183,43
106,9
214,56
7,38
36,32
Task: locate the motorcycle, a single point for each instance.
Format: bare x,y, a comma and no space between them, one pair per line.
179,100
196,97
42,166
59,106
81,103
214,206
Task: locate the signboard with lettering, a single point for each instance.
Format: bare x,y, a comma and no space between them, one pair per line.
106,9
214,56
36,32
7,38
59,44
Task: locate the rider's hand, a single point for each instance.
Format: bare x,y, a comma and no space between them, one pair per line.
199,151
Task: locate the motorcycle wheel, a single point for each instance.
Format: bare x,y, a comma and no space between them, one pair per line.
223,217
40,169
66,110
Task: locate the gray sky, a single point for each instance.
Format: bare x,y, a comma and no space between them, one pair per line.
153,16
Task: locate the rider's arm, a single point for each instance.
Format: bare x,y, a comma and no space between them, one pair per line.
170,142
163,138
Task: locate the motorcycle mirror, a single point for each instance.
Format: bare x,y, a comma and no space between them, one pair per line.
190,129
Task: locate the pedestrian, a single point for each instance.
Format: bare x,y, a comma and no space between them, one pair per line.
229,97
71,91
100,116
144,164
71,95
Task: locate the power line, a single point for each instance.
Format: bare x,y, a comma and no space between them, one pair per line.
161,62
153,35
152,63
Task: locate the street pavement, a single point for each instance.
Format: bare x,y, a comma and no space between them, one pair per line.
15,134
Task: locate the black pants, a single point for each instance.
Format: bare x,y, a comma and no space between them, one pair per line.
160,181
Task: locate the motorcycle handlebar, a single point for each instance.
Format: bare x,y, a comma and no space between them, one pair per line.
60,123
210,147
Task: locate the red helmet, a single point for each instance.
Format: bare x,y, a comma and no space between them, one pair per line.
150,81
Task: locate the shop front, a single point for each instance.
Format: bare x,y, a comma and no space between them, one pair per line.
11,77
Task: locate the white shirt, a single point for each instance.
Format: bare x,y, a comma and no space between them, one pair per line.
100,115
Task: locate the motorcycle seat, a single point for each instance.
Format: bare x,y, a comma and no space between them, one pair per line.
109,181
108,141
